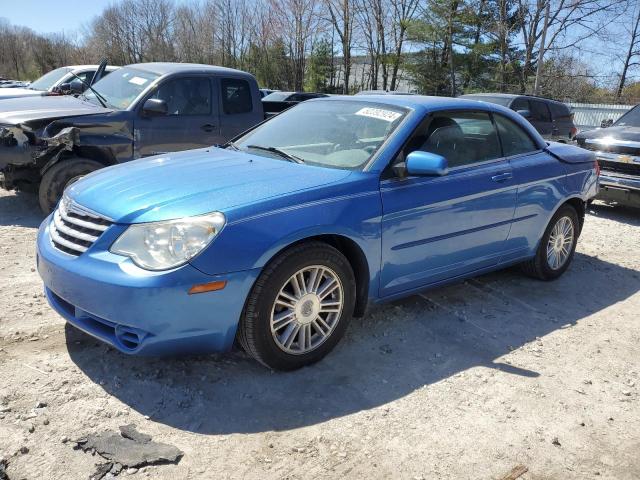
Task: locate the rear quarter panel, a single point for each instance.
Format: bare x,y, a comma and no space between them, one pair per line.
542,188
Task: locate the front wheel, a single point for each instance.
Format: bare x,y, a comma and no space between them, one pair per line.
299,307
59,177
557,246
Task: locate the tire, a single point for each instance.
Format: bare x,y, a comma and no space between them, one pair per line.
59,177
269,346
542,265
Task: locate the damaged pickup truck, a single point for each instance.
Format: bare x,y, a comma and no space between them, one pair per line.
138,111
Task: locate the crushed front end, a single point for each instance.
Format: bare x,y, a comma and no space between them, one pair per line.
25,152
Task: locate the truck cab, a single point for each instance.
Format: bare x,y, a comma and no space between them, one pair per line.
137,111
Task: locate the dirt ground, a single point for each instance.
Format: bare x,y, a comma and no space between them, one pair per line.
467,381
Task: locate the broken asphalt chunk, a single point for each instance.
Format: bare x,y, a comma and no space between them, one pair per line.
129,448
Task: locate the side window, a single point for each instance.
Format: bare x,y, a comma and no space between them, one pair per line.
186,96
520,104
236,96
540,111
84,76
515,140
463,138
560,111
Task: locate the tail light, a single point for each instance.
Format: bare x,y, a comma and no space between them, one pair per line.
596,165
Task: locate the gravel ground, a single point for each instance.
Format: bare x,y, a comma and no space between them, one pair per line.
467,381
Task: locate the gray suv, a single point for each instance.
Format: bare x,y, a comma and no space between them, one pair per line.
552,119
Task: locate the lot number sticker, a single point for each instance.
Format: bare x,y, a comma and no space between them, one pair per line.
379,113
138,80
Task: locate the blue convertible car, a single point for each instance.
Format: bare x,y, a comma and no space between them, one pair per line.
278,238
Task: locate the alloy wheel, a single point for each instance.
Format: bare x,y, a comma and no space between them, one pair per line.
560,243
307,309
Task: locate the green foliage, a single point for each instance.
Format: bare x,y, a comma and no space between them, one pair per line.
319,67
470,43
269,64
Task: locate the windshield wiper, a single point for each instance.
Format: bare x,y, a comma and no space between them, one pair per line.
230,144
277,151
100,98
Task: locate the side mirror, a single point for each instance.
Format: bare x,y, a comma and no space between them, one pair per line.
524,113
76,86
154,107
426,163
606,123
63,88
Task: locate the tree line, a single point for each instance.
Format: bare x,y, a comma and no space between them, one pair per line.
436,47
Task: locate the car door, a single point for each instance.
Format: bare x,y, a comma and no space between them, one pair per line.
541,117
191,120
439,227
563,127
239,112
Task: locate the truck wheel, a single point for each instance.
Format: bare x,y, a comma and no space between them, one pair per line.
557,246
59,177
299,307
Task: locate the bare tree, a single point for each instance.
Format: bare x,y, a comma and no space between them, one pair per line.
296,24
583,18
633,51
341,16
404,11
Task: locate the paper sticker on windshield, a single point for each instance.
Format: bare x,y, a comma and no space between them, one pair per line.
379,113
138,80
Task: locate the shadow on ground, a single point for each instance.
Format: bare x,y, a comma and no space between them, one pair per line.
395,350
620,214
21,209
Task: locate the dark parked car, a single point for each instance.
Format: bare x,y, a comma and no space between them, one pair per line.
552,119
277,102
137,111
618,152
266,91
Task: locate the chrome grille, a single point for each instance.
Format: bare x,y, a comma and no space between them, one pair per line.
74,229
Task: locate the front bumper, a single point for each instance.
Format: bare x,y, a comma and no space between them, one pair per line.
620,188
138,311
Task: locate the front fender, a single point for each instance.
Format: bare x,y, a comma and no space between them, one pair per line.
251,242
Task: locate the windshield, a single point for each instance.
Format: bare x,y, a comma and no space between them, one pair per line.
276,97
50,79
120,88
337,133
629,119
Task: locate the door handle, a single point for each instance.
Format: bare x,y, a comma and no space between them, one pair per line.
501,177
207,127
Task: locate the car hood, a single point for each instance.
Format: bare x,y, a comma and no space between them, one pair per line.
616,133
194,182
20,92
16,111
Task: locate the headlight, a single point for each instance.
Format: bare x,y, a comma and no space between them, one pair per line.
164,245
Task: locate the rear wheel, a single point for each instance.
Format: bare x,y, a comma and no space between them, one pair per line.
299,307
59,177
557,246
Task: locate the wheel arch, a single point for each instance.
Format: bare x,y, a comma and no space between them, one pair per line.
576,202
103,159
580,207
354,254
